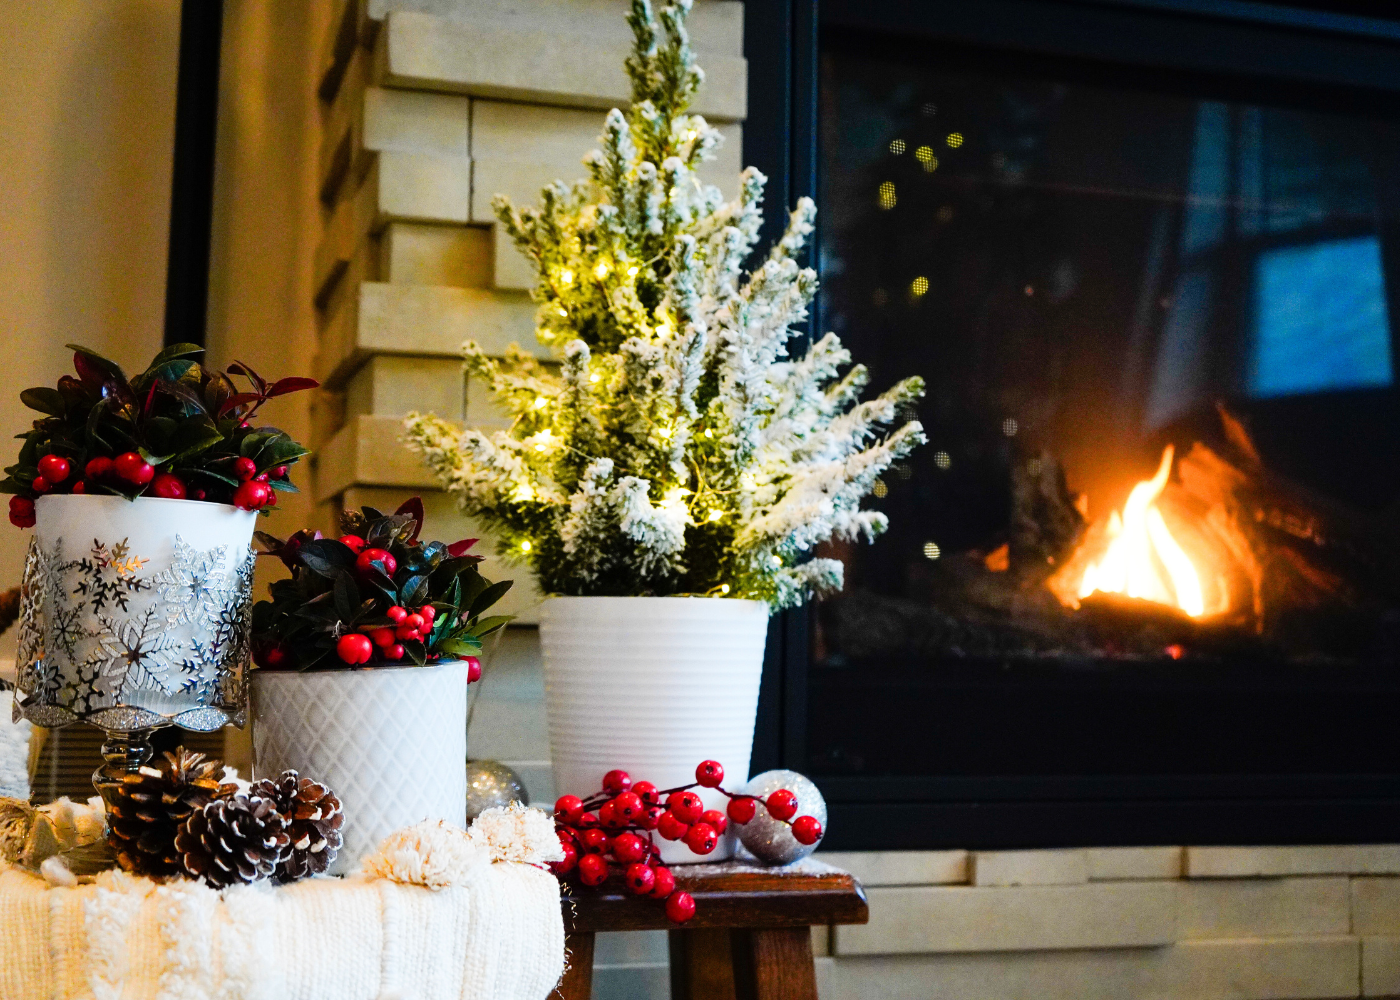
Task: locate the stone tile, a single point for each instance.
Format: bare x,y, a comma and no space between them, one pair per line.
1108,864
824,968
1264,969
716,25
367,452
342,151
422,187
534,63
390,385
345,235
415,121
453,256
442,520
1380,966
821,940
960,919
880,868
1243,862
433,320
1230,908
513,271
1375,906
1122,974
1047,867
482,410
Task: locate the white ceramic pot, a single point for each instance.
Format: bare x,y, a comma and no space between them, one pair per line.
391,742
652,685
136,613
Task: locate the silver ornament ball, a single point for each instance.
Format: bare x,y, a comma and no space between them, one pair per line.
771,840
489,784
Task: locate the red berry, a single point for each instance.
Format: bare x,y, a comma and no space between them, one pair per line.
593,841
271,497
382,637
592,869
260,477
473,670
250,496
80,487
428,613
568,808
608,818
806,830
275,657
169,486
354,648
686,806
395,652
196,495
382,556
133,468
396,614
569,863
702,838
617,782
355,544
670,827
680,907
649,817
244,468
710,773
414,622
99,469
54,468
403,633
280,472
628,805
782,804
741,810
647,792
665,882
628,847
22,512
587,821
640,879
716,819
40,485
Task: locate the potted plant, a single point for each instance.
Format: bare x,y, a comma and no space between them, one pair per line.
138,584
670,481
364,655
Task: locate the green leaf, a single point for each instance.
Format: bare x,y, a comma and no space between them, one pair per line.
347,596
414,591
416,652
174,351
326,557
486,626
194,436
43,399
461,647
489,596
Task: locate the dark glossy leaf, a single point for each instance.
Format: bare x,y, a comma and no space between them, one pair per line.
259,383
412,508
416,652
43,399
237,400
193,401
347,596
194,436
489,596
414,591
282,486
294,383
326,557
211,474
273,543
175,351
93,367
384,530
377,578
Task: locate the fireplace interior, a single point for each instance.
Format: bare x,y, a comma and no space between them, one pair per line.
1148,565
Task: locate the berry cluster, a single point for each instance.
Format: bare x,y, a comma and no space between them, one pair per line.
375,596
619,822
176,431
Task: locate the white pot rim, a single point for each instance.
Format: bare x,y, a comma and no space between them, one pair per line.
669,597
55,500
384,668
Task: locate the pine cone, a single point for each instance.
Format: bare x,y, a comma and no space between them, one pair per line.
150,805
315,817
239,837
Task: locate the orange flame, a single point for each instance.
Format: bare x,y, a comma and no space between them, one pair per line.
1143,560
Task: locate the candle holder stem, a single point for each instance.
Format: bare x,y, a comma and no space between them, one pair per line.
124,752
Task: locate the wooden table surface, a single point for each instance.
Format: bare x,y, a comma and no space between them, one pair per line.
750,938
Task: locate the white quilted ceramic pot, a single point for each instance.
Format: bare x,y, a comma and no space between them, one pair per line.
391,742
652,685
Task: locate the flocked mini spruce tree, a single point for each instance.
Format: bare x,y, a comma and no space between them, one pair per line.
678,448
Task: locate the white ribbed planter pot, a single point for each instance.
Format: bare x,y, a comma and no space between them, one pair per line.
391,742
652,685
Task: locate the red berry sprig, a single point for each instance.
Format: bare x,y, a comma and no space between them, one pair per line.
618,823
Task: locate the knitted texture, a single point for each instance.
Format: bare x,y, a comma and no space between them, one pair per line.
498,936
14,751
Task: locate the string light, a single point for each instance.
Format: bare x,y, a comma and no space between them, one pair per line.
886,196
777,560
601,271
897,147
664,330
924,154
563,311
943,460
715,515
724,588
595,377
632,271
566,277
664,433
918,287
709,433
525,546
880,489
955,140
523,493
1009,427
931,550
540,403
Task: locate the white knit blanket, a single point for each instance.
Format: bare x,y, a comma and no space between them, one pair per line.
500,935
14,751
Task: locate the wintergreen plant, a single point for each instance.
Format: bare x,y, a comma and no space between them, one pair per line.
677,447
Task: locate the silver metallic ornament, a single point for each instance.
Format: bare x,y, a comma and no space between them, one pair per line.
768,839
489,784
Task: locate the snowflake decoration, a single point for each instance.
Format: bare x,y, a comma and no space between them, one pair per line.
108,576
194,586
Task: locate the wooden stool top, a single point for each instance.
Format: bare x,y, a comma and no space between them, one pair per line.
738,893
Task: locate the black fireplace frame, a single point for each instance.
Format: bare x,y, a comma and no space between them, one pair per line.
1300,53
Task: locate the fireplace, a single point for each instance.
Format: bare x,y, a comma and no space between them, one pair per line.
1143,583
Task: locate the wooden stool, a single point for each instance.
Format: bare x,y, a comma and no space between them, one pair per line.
750,938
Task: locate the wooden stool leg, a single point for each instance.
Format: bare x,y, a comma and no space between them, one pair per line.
577,983
701,966
774,964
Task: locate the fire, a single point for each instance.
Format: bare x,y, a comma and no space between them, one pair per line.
1143,559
